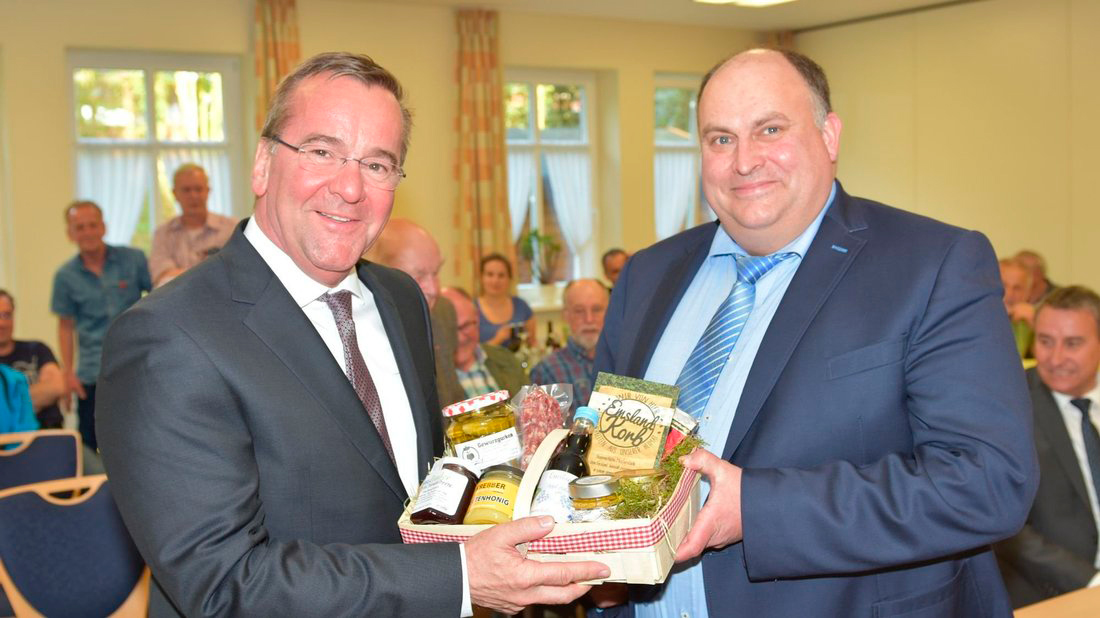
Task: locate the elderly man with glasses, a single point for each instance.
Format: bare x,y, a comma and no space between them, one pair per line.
584,302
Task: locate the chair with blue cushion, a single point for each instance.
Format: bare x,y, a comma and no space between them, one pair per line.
43,455
69,556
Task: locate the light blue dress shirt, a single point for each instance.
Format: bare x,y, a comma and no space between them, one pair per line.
683,595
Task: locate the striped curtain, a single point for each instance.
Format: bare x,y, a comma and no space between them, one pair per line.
482,217
275,32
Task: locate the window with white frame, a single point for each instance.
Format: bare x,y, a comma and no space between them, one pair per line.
678,202
549,134
139,116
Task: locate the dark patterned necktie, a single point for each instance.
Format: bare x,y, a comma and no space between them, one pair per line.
340,304
1092,441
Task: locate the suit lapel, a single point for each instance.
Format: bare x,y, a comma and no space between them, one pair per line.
278,321
1051,425
395,331
832,251
673,284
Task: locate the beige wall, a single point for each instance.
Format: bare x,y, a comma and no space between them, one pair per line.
416,42
983,115
37,166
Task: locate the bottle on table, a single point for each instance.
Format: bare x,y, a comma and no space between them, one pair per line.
551,341
552,496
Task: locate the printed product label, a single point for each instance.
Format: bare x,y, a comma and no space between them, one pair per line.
495,448
495,495
442,491
629,436
552,497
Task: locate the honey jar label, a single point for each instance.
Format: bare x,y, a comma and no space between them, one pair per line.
630,434
499,496
495,448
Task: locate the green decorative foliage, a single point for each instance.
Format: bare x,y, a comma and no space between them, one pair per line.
642,501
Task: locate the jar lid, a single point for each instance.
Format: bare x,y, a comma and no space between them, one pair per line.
503,468
475,403
595,486
458,461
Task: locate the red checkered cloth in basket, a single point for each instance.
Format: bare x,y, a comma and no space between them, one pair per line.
634,537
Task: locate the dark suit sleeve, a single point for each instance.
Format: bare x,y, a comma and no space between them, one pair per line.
970,476
183,464
1047,566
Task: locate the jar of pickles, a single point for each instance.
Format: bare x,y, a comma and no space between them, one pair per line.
594,497
482,430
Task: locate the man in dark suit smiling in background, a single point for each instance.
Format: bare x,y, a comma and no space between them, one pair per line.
1056,552
267,414
852,369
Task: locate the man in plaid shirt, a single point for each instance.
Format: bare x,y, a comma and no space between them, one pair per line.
584,304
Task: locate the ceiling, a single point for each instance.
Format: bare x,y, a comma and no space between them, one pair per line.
797,15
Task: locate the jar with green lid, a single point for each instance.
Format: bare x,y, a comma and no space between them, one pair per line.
594,497
482,430
494,498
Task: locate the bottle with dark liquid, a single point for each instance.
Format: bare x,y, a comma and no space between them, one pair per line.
552,496
551,341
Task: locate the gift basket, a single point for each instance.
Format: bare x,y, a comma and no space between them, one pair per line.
628,421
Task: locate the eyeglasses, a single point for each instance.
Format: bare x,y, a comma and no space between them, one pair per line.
317,159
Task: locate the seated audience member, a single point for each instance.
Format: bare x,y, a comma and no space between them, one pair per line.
16,412
1056,551
409,248
89,292
1016,279
613,262
186,240
498,310
1040,285
36,362
480,368
584,303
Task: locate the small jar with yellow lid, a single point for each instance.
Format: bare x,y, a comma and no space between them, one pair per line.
594,497
482,430
495,496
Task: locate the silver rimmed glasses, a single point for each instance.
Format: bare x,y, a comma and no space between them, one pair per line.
320,160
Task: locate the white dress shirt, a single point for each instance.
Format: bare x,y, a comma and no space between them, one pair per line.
377,352
1071,415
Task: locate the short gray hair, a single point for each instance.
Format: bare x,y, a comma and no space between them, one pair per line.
336,64
1072,297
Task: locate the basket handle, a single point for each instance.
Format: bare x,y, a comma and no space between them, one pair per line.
535,467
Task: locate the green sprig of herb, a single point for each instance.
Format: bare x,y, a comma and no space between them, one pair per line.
641,501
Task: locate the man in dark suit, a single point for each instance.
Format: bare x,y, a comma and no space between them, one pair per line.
857,383
267,414
1056,550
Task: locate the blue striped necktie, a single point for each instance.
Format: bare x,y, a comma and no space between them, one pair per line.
707,360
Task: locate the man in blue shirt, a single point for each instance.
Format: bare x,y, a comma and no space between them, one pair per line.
89,291
866,421
584,302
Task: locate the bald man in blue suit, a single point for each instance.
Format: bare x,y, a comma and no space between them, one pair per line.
869,434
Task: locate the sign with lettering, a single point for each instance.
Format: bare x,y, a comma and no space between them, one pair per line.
630,434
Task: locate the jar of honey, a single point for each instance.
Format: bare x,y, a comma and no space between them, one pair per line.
445,493
594,497
495,496
482,430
